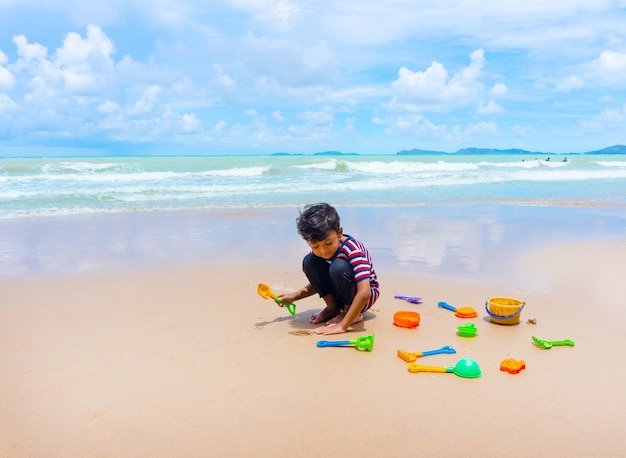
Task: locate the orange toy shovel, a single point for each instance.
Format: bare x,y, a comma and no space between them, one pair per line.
265,292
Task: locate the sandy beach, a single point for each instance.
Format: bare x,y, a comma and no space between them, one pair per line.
188,360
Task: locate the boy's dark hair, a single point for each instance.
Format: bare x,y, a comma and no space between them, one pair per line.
317,221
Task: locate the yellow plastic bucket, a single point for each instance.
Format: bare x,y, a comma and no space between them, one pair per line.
504,310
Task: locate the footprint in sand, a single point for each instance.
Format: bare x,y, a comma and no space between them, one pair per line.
302,332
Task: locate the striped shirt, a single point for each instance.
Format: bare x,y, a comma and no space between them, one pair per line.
359,259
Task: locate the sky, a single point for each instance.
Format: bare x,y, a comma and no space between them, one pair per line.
265,76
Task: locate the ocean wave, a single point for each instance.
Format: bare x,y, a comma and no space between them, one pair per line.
401,167
80,167
618,164
117,177
525,164
198,183
328,164
253,171
56,187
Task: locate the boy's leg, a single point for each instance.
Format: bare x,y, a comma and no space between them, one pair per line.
344,285
317,272
342,277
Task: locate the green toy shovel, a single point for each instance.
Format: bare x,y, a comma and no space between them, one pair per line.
465,367
265,292
364,343
547,344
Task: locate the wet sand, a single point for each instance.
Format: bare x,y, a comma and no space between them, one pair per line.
184,358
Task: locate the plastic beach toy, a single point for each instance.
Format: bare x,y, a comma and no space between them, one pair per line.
265,292
512,366
410,357
364,343
463,312
406,319
547,344
411,299
467,330
504,310
466,368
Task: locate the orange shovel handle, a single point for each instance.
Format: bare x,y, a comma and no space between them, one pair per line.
413,367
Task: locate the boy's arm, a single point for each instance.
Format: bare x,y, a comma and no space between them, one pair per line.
363,294
303,292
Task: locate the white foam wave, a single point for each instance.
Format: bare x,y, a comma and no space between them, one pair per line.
330,164
618,164
253,171
80,167
75,187
132,177
395,167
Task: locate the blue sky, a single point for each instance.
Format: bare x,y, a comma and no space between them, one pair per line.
262,76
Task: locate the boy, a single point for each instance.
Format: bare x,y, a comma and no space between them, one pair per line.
339,269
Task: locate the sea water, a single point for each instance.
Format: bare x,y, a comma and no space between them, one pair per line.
442,214
36,187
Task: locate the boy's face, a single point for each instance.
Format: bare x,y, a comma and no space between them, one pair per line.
328,247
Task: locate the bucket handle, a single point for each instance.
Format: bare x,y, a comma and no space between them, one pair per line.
503,317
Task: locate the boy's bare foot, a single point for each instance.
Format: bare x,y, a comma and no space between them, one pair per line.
337,319
324,315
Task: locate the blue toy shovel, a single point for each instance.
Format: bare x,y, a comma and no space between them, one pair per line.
410,357
463,312
364,343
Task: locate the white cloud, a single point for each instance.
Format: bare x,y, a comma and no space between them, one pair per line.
28,53
498,89
431,83
490,108
108,107
148,101
566,84
184,64
411,124
7,80
79,66
519,131
569,84
299,96
223,86
6,103
608,123
276,12
482,129
190,123
434,90
610,68
289,63
218,127
319,117
85,64
612,61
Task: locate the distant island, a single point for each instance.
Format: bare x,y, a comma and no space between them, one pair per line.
616,149
469,151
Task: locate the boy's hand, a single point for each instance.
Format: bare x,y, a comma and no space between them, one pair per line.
334,328
289,297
